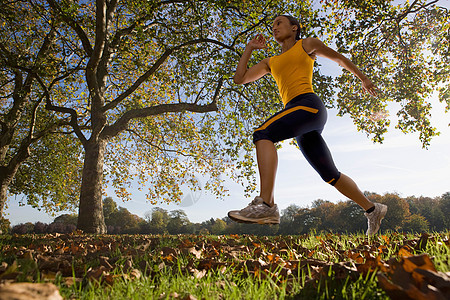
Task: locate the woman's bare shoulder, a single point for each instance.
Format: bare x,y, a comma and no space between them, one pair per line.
310,42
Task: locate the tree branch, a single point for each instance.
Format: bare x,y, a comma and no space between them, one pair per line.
74,25
217,91
122,123
6,83
74,116
23,151
73,120
52,129
162,150
100,34
410,9
94,59
246,31
110,10
49,106
124,31
155,66
21,90
398,19
33,117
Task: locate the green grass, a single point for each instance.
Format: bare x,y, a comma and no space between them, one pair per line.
165,277
226,286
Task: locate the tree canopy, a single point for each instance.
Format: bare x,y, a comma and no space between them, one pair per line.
37,161
404,49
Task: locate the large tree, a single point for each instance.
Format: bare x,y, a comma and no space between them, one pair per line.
36,160
148,68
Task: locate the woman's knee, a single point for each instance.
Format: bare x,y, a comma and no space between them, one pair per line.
331,177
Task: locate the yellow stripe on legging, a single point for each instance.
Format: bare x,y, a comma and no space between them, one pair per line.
277,117
331,181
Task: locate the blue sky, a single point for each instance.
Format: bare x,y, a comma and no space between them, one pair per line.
399,165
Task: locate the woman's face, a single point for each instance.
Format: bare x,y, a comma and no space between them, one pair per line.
283,29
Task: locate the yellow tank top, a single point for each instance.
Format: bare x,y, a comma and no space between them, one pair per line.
292,71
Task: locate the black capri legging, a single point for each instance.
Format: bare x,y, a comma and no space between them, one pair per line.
303,118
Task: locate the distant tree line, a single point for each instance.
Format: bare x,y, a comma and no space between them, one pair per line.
410,214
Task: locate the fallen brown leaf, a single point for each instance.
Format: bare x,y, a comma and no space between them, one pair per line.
29,291
414,277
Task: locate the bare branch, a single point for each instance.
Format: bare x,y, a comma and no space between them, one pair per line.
198,94
7,96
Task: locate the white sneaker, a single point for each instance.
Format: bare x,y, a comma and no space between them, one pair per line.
256,212
374,218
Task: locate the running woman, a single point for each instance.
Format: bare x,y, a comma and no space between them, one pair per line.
303,117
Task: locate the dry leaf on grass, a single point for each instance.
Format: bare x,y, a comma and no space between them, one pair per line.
280,258
414,277
29,291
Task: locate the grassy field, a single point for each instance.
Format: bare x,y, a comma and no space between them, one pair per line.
314,266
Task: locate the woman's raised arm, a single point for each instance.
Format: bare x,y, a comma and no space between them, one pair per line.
244,74
316,47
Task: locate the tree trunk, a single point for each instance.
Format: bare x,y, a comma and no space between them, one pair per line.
6,177
4,184
8,172
90,214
